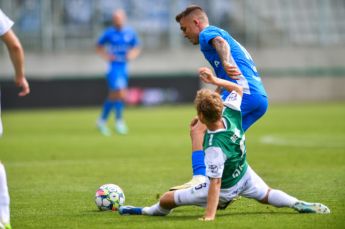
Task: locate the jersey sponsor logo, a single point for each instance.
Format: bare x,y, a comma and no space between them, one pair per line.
237,171
216,63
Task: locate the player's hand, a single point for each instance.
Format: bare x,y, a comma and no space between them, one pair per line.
232,71
206,75
23,83
197,132
196,126
193,122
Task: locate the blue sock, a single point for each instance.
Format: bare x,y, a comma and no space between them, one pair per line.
107,106
119,106
198,163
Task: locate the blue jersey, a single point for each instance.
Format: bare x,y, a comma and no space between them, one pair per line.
119,42
250,79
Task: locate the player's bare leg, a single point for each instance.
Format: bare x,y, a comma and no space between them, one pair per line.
279,199
4,200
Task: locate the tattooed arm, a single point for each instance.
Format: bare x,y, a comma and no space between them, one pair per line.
223,49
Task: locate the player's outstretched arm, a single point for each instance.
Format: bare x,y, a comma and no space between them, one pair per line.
16,53
212,199
207,76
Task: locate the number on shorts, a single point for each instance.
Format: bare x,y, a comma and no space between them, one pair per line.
200,186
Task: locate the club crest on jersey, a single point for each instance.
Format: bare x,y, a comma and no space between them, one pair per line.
213,168
231,97
216,63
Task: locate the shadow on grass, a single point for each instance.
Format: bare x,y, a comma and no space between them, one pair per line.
185,215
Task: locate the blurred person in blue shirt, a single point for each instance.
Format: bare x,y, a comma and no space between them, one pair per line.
230,61
117,45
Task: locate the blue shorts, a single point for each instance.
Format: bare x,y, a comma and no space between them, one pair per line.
253,107
117,78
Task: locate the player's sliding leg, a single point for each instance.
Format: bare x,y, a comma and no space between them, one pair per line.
154,210
305,207
130,210
102,121
162,208
280,199
170,200
257,189
4,200
199,171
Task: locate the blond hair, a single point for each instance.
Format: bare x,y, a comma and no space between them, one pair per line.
209,104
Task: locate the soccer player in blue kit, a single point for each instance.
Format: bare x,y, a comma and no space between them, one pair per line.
230,61
117,45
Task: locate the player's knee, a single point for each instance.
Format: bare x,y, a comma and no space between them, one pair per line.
265,199
167,200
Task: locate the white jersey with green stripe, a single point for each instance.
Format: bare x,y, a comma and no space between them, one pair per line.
225,151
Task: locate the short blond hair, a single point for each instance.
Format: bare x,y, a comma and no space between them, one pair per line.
209,104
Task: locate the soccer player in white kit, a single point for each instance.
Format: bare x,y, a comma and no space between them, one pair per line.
16,53
218,131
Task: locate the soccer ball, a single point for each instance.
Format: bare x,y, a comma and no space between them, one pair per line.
109,197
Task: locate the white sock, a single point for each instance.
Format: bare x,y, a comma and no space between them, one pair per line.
4,197
280,199
156,210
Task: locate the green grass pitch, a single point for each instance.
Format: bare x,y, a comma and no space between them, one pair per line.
56,159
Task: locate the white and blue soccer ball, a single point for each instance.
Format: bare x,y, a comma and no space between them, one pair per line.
109,197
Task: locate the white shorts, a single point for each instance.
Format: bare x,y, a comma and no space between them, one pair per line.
250,186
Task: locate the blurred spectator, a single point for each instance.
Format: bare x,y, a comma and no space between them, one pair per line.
78,11
29,16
